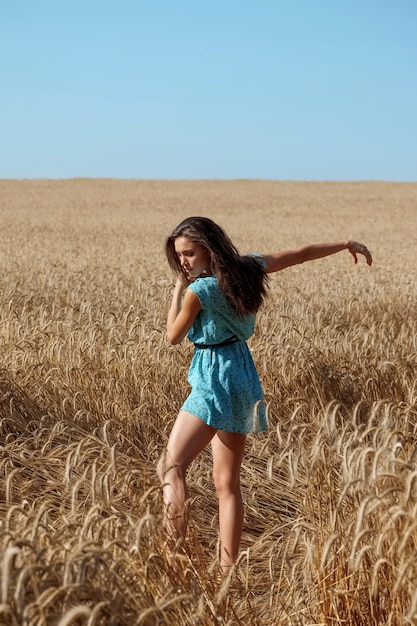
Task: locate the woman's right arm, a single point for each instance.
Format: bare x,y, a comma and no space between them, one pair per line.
184,308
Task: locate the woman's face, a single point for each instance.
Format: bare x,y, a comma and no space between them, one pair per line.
194,258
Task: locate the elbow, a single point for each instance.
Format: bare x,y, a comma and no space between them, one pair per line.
173,339
302,256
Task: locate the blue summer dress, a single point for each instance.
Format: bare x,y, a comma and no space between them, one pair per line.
226,392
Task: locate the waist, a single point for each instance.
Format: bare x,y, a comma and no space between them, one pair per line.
226,342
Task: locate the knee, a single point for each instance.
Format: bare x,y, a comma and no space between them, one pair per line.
225,482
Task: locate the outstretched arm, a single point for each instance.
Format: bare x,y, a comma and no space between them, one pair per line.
280,260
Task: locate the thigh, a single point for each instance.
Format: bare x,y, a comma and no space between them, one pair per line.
228,450
189,436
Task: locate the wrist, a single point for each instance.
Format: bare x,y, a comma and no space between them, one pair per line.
179,287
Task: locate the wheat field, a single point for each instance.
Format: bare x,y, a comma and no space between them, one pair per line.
89,389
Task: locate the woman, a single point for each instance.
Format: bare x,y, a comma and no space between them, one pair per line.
215,300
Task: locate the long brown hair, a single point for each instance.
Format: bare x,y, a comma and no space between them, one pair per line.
242,279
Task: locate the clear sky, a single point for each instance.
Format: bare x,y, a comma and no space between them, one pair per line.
210,89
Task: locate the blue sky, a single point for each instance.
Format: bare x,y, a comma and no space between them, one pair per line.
209,89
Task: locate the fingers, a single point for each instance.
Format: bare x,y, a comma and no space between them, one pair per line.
364,250
182,280
356,248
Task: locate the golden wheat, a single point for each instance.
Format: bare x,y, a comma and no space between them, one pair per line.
89,389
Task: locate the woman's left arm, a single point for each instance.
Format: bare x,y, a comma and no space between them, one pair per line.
280,260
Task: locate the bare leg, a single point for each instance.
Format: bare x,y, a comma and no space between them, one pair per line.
228,449
189,436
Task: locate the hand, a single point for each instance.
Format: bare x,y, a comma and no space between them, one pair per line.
181,283
359,248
